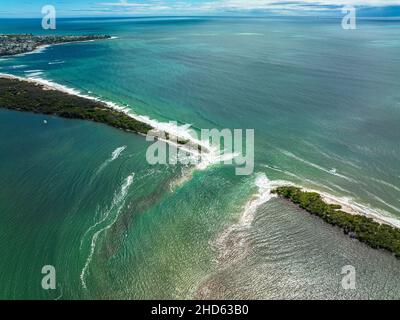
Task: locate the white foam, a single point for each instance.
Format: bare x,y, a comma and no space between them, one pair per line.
34,75
42,48
337,187
214,157
117,152
33,70
249,34
19,66
117,204
56,62
209,155
263,195
385,203
234,231
39,49
316,166
385,183
351,206
114,155
300,178
332,156
348,203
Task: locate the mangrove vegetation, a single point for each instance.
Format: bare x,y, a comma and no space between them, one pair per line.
31,97
366,230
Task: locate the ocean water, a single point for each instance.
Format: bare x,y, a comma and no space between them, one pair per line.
325,106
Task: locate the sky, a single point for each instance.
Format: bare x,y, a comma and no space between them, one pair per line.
76,8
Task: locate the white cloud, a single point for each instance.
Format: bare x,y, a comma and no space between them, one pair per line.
168,6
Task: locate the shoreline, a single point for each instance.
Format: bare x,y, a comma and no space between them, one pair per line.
357,209
39,47
43,47
351,208
265,193
163,131
28,96
347,204
180,133
159,129
367,230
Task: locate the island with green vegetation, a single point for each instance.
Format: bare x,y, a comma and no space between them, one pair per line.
31,96
11,44
362,228
28,96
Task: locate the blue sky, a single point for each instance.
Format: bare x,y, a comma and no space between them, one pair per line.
32,8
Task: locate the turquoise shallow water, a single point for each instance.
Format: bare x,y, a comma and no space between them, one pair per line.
318,97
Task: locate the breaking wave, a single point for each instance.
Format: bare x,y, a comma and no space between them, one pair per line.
316,166
208,156
231,242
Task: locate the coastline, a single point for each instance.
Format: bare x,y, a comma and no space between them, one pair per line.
166,132
228,236
178,232
357,209
365,229
159,129
264,194
173,134
177,132
347,204
350,207
41,47
19,95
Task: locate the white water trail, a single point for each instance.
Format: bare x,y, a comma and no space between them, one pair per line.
114,156
116,206
209,155
20,66
238,250
56,62
316,166
348,203
117,152
105,216
385,183
34,75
